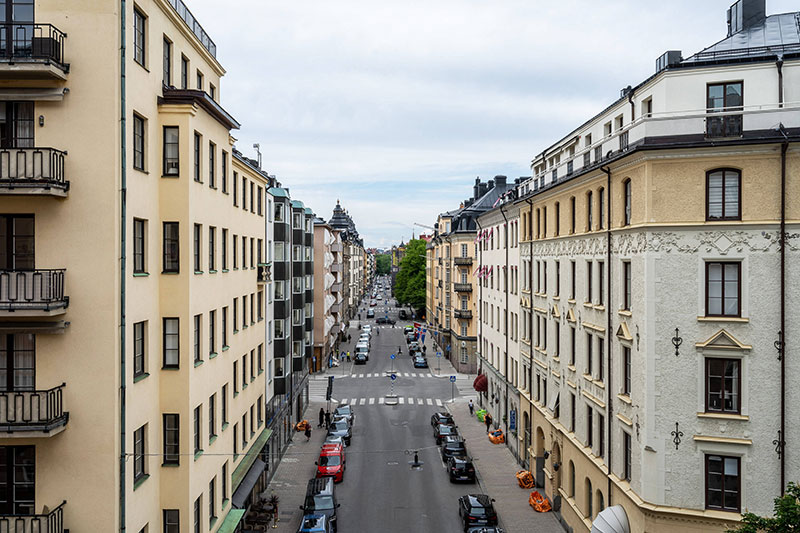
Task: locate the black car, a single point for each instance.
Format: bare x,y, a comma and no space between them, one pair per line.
460,468
341,428
320,499
361,358
410,338
452,446
384,320
485,529
442,417
420,362
345,411
371,313
476,510
443,430
403,315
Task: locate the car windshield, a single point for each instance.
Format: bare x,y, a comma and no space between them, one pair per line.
319,502
339,425
312,523
330,460
344,410
446,430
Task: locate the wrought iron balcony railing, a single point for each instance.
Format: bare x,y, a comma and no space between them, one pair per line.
462,313
32,411
32,171
30,42
462,287
463,261
46,522
32,290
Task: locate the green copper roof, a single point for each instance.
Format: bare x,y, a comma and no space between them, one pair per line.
297,204
278,192
309,212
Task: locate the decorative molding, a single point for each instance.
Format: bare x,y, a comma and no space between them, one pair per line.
722,340
722,440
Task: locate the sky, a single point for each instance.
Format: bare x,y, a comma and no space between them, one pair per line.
394,107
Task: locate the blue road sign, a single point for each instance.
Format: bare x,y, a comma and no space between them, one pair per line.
512,420
393,376
438,354
448,347
452,379
391,356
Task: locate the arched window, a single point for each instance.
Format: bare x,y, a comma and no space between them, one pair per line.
589,221
626,188
589,509
571,479
723,194
601,503
601,207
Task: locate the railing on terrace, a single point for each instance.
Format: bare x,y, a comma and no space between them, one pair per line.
26,42
47,522
463,261
32,289
462,287
32,167
195,26
35,410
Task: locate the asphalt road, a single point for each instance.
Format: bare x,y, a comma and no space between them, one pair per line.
380,491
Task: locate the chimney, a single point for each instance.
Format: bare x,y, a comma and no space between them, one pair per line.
746,14
490,185
500,181
476,189
484,189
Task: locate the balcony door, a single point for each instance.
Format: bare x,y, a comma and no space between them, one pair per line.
16,27
16,124
16,242
17,362
17,480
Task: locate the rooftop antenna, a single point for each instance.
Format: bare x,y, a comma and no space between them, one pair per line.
257,148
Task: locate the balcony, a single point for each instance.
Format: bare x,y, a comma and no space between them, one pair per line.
463,261
28,293
47,522
264,273
39,413
336,247
336,288
32,171
336,267
32,52
462,287
462,313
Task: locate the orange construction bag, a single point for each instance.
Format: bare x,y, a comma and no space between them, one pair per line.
538,502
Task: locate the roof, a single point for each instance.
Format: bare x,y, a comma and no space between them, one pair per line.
297,204
309,211
775,34
278,192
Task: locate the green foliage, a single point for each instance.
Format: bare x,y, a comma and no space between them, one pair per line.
383,264
410,284
786,519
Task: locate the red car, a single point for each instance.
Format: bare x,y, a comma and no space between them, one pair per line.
331,462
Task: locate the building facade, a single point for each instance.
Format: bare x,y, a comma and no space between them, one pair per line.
325,320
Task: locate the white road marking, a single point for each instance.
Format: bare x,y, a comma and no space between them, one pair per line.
361,375
401,400
372,401
405,374
380,400
438,402
363,401
430,402
419,401
354,401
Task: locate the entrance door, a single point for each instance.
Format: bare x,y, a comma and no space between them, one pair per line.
17,362
17,480
16,242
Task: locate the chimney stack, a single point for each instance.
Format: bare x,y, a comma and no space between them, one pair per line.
500,180
476,189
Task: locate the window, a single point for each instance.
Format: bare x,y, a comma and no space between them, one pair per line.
571,479
224,175
278,212
573,278
224,249
558,219
184,72
626,274
557,289
198,261
139,37
601,435
139,357
572,418
244,193
171,343
139,246
197,153
198,514
572,215
138,142
172,522
601,207
723,289
724,98
259,208
572,346
139,453
235,189
252,197
233,253
589,291
626,456
723,195
212,249
589,509
723,383
722,483
166,77
589,426
212,164
235,315
171,152
212,504
626,187
235,378
198,444
172,439
224,406
224,481
212,416
601,292
589,205
224,327
626,370
199,81
198,326
212,91
212,334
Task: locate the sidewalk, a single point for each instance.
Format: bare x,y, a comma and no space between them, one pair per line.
496,469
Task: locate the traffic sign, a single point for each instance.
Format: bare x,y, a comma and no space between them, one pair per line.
391,356
438,354
393,376
452,379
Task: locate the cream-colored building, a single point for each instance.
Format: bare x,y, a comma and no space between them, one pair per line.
325,319
659,284
133,314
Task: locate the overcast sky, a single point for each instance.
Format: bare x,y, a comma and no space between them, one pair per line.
394,107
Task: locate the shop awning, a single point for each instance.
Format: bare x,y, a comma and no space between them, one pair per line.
44,94
247,484
481,383
52,328
611,520
231,521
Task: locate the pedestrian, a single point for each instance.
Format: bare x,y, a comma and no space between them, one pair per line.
348,356
488,419
322,416
348,338
471,408
327,419
308,432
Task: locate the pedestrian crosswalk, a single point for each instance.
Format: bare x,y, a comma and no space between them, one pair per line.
365,375
401,400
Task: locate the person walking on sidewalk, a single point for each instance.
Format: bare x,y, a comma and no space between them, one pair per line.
321,417
471,409
488,419
308,432
327,419
348,356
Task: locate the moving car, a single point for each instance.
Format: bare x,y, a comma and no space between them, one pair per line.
440,431
340,428
360,358
402,315
476,510
331,462
345,411
314,523
321,499
420,362
460,468
442,417
385,320
451,446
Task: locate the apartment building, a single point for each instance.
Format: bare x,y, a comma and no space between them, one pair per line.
170,433
657,242
325,332
354,279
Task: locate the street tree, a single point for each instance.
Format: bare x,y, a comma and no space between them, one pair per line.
410,284
383,264
786,519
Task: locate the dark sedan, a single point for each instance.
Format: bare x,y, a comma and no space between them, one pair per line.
385,320
442,417
443,430
476,510
409,338
345,411
361,358
453,446
420,362
340,428
460,468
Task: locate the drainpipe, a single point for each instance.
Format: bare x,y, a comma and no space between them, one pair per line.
633,106
609,368
505,321
122,269
530,305
779,64
782,437
480,301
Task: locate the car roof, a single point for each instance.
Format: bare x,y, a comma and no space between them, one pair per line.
453,439
344,406
478,500
442,414
320,485
460,458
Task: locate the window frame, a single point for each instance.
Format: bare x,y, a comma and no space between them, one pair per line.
140,453
627,202
139,246
139,142
165,160
173,458
177,334
738,293
139,349
166,62
739,476
722,217
139,37
723,392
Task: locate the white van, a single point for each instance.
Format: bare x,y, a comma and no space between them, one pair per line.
363,347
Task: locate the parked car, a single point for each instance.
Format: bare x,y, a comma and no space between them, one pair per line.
443,430
414,347
341,428
367,328
485,529
402,315
364,338
321,499
373,303
360,358
314,523
442,417
407,329
371,313
460,468
476,510
334,439
420,362
362,347
331,462
410,338
345,411
452,446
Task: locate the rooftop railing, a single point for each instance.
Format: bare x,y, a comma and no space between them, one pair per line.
195,26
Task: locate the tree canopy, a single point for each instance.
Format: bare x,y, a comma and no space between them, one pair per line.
383,264
410,284
786,519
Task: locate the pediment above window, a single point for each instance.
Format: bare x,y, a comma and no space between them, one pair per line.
571,315
722,340
623,333
556,313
